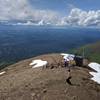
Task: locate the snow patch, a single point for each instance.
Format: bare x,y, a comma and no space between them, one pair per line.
30,23
95,66
38,63
68,57
96,75
26,23
41,22
1,73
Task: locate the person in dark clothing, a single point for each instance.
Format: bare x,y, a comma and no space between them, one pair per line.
68,80
65,63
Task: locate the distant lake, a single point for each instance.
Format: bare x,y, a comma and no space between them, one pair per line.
21,42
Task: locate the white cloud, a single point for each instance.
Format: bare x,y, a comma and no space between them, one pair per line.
22,10
78,17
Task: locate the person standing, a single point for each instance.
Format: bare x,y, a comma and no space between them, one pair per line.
65,63
68,80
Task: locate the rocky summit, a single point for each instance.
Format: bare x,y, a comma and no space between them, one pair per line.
23,82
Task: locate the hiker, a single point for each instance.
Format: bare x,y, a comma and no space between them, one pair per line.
68,80
69,71
65,63
69,64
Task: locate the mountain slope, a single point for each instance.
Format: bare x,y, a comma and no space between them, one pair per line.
22,82
91,51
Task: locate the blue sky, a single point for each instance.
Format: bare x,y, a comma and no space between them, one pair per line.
56,12
64,6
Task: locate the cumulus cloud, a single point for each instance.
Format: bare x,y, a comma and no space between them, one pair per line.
22,10
78,17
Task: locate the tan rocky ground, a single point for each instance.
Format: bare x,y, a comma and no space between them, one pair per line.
21,82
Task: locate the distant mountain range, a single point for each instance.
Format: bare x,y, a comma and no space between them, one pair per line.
41,23
26,22
91,51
